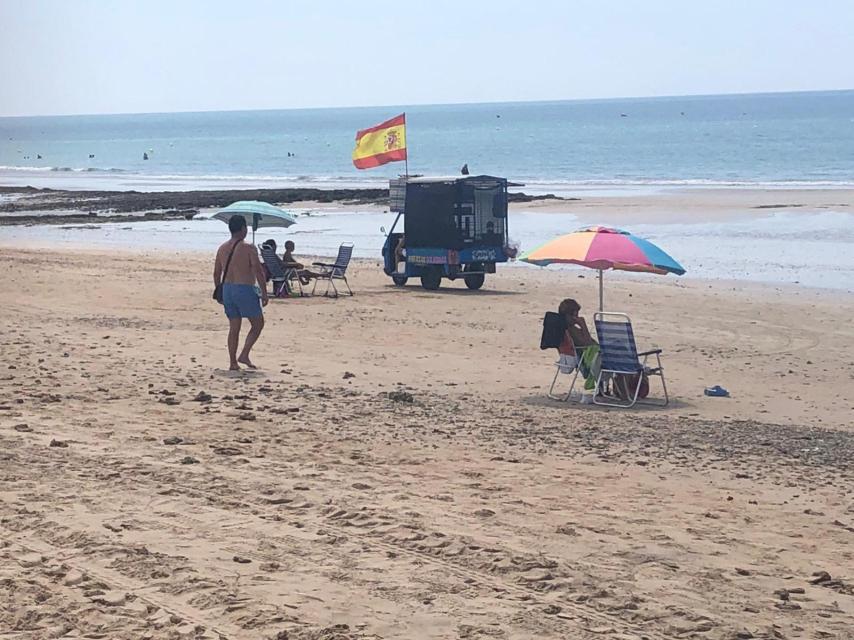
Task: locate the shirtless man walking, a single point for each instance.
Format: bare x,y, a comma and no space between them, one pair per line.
239,298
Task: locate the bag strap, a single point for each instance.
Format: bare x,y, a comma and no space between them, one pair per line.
228,262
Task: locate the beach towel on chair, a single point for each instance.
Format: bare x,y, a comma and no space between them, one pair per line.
589,365
554,327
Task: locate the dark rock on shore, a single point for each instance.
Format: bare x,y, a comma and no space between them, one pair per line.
89,218
524,197
134,206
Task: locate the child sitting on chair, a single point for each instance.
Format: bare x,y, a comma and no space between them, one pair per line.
291,263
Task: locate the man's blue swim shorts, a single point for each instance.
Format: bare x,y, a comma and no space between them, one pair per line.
240,301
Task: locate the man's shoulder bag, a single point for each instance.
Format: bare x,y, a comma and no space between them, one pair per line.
217,293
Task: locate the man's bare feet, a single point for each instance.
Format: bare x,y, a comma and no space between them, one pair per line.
245,360
234,367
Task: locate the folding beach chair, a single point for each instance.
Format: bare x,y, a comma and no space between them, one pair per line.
554,334
567,364
336,270
281,275
620,356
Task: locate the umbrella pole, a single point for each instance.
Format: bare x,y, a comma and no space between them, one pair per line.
601,293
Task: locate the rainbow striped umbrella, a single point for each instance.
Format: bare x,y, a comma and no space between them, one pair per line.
604,248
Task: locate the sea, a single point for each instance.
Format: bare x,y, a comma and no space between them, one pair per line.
782,139
569,148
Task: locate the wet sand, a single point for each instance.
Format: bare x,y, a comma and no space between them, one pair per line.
624,207
699,204
394,470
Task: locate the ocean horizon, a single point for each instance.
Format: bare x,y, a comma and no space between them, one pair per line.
775,140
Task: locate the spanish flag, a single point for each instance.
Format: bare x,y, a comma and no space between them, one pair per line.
383,143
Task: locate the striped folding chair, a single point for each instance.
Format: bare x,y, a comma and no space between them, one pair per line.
281,275
336,270
620,359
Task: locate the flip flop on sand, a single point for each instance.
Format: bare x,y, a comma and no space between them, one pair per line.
716,392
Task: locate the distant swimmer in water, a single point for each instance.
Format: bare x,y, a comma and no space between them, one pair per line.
91,155
144,155
465,169
38,156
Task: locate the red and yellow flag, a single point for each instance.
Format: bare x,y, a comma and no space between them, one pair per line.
383,143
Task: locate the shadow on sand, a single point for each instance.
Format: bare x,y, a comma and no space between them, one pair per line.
243,373
543,401
418,290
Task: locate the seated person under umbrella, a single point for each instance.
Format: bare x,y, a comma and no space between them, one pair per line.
268,244
577,342
576,326
292,263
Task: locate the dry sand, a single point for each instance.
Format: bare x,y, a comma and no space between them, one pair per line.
147,493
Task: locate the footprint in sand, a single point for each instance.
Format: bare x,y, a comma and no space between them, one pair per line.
242,373
227,451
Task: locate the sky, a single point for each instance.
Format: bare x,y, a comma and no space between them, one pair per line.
129,56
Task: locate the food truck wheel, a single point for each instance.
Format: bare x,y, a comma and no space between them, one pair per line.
399,280
432,279
475,281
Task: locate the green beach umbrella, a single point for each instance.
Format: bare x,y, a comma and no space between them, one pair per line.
258,215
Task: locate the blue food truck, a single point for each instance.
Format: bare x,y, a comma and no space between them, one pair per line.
452,227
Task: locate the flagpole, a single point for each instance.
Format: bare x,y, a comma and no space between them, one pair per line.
406,159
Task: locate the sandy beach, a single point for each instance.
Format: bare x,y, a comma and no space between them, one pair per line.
403,461
394,469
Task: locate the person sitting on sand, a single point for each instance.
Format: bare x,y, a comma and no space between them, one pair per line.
237,268
292,263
